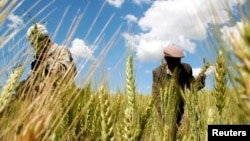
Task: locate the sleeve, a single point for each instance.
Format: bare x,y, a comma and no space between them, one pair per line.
190,75
60,62
189,72
200,80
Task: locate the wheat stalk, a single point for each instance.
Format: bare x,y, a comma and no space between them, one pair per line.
129,111
35,128
130,83
144,120
106,116
171,108
10,86
128,126
220,83
211,116
194,109
241,48
6,10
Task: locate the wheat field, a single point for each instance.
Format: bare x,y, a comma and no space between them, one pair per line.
69,113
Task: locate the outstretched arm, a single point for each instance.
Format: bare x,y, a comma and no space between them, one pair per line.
199,81
201,78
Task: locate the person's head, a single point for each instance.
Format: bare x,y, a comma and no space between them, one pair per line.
173,55
38,36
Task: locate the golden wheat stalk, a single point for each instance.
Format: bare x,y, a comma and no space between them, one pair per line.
241,48
35,128
106,116
144,120
220,83
129,111
171,109
6,10
87,123
2,4
194,110
128,126
211,119
130,83
10,86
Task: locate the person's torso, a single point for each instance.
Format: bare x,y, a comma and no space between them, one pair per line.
183,74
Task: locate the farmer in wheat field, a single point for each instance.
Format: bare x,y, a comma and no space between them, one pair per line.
52,63
163,73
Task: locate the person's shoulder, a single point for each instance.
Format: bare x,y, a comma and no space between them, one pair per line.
186,66
58,49
61,48
159,68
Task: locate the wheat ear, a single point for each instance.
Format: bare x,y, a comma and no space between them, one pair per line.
130,83
241,48
10,86
106,116
220,82
35,128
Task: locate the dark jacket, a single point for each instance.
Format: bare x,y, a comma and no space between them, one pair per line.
161,77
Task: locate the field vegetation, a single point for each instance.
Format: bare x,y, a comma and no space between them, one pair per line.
69,113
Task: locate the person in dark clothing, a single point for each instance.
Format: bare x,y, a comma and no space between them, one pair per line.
163,73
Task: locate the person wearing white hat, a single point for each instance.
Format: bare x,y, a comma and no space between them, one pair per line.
163,73
50,60
36,34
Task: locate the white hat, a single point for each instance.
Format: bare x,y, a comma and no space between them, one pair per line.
41,30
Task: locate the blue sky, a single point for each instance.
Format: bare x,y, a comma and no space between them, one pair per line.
94,28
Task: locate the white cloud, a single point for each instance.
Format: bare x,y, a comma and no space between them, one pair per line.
80,49
228,31
130,18
16,21
116,3
196,71
130,40
177,22
139,2
148,71
148,49
233,3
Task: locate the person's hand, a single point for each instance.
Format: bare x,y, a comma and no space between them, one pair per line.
202,78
